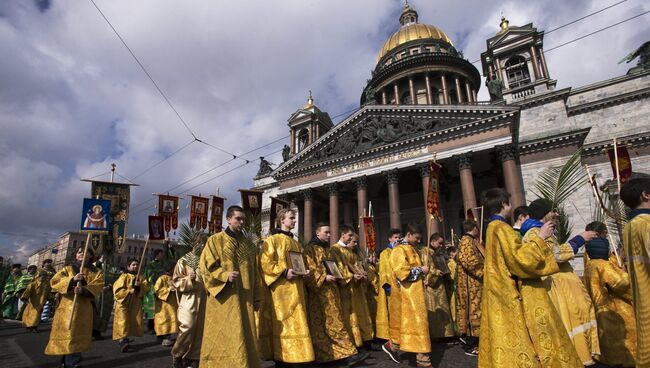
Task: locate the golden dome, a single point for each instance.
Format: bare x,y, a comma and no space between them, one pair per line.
413,31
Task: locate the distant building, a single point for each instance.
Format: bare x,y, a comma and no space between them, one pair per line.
62,251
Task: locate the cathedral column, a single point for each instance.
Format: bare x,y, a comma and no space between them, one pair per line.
533,56
425,173
459,95
392,178
464,162
308,209
474,98
347,209
396,90
445,95
428,83
491,69
512,176
362,195
333,190
384,99
543,60
468,91
412,91
501,74
293,148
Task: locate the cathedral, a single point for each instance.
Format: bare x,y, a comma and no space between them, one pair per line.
421,103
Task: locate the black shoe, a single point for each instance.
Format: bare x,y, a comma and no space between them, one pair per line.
471,351
178,363
357,358
375,346
392,354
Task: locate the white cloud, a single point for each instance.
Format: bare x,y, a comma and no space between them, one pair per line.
72,100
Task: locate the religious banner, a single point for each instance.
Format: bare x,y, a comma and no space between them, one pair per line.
168,210
469,215
120,195
276,206
216,218
369,233
156,228
624,163
199,212
95,215
433,195
251,201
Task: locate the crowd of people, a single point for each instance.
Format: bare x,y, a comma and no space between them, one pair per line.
510,295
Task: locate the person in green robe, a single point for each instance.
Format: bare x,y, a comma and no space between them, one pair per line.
9,305
22,284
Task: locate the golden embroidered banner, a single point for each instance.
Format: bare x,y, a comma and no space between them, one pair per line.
624,163
168,210
369,233
276,206
251,201
433,195
217,215
199,212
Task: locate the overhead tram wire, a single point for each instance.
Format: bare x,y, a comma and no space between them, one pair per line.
163,160
575,21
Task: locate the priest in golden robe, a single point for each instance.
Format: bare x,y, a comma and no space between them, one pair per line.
330,337
229,269
520,326
609,287
383,295
291,339
68,341
34,298
165,305
440,325
636,195
567,292
128,317
191,308
409,273
469,286
354,302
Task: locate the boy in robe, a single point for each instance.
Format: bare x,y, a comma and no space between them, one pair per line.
568,293
191,309
330,336
34,298
49,271
165,306
469,286
291,339
408,274
382,324
520,326
71,342
520,215
636,195
609,287
128,317
434,287
229,270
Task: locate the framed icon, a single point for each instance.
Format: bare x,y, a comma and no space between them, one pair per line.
357,269
296,262
332,269
95,215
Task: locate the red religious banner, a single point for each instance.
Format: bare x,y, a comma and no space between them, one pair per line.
276,206
199,212
251,201
369,233
156,228
217,215
624,163
433,195
168,210
470,215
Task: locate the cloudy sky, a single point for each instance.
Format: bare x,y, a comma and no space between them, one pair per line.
73,100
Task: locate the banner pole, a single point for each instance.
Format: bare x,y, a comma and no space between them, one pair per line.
618,172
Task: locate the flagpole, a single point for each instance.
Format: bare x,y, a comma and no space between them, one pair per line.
592,184
74,301
618,172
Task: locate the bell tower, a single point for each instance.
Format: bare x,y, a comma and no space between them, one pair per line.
515,65
307,125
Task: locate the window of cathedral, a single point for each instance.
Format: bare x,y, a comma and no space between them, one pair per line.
415,51
303,139
517,71
452,97
406,98
421,96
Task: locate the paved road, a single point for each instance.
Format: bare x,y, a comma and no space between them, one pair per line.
19,349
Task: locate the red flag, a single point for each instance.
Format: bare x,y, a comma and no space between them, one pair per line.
470,214
168,210
199,212
624,163
369,233
433,195
217,214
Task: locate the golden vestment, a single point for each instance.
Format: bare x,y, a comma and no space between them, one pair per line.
637,252
229,334
35,295
609,287
329,335
291,339
571,300
413,324
382,315
65,340
165,321
435,295
354,302
191,309
469,287
128,316
520,326
372,293
451,288
264,318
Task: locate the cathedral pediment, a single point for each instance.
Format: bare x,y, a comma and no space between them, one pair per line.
381,130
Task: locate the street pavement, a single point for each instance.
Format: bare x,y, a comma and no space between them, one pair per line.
19,349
